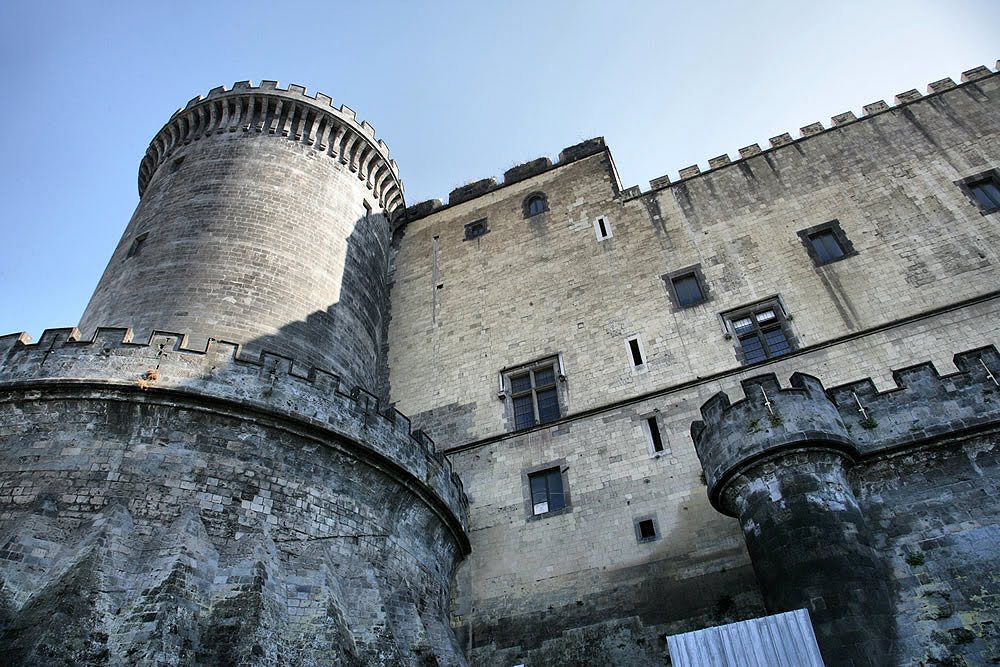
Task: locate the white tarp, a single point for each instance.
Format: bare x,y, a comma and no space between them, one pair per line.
780,640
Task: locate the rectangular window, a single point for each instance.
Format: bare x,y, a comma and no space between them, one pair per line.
826,247
983,190
688,290
602,228
474,230
686,287
826,243
546,488
646,528
636,354
986,194
534,394
633,346
760,332
655,439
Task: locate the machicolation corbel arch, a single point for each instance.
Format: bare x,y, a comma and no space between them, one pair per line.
288,113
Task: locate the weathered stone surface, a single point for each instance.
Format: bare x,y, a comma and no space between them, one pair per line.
149,522
251,234
786,463
223,504
134,524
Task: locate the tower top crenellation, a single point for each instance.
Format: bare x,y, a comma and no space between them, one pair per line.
284,112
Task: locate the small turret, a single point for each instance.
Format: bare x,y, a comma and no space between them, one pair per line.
778,461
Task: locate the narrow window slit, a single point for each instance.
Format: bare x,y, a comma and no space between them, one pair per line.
654,434
136,246
633,346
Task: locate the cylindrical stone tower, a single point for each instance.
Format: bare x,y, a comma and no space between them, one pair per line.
176,502
264,220
779,461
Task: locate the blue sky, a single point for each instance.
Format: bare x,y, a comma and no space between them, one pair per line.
459,91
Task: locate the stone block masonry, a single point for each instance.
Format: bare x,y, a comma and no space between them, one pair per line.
787,463
918,281
163,505
181,500
264,220
220,503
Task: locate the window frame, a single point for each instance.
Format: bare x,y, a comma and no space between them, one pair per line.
643,366
470,226
810,234
636,521
608,232
670,279
969,184
527,474
534,196
781,323
507,377
648,421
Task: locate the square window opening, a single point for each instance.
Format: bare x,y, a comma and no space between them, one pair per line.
686,287
646,529
826,243
986,192
826,246
546,488
688,290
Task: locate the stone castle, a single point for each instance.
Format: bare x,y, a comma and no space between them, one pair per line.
550,422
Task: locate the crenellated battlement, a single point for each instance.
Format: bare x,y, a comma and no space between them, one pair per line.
814,129
591,146
771,419
270,383
924,404
513,175
290,113
854,418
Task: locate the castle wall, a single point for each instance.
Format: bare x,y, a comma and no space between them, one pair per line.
920,285
169,506
535,287
935,517
918,516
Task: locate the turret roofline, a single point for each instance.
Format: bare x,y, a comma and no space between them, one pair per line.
290,113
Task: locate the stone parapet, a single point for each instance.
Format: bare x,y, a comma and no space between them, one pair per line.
924,404
513,175
854,418
271,383
769,420
288,113
813,129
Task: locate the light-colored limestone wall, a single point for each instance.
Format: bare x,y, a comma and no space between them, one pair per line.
586,565
545,285
530,288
